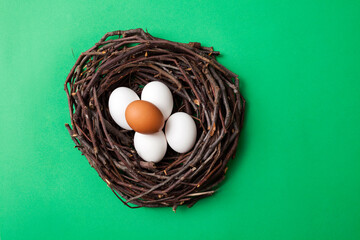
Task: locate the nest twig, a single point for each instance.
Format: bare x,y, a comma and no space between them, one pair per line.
201,87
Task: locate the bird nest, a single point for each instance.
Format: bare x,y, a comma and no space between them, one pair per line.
201,87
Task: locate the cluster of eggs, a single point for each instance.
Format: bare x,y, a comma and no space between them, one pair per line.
147,118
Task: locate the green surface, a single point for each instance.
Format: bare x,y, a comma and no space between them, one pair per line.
297,172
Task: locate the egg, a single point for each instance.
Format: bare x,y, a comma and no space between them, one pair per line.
159,94
119,99
180,131
144,117
150,147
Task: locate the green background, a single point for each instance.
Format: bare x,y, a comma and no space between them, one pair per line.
297,171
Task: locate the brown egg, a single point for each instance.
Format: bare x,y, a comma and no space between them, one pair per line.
144,117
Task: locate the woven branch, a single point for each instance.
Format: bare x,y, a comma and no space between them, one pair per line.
201,87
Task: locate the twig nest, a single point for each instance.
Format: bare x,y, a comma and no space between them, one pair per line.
199,85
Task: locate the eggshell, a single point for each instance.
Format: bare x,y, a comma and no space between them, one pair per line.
159,94
180,131
119,99
144,117
150,147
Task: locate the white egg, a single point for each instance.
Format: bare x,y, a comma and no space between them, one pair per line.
150,147
119,99
159,94
180,131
